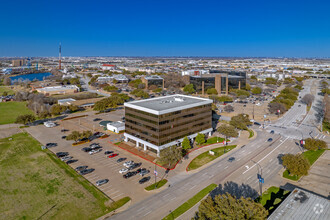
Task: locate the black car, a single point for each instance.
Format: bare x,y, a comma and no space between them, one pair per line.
71,161
257,123
84,172
62,154
86,149
80,168
121,160
97,119
135,165
129,174
143,171
144,179
83,139
64,130
108,152
270,139
231,159
63,137
51,144
272,131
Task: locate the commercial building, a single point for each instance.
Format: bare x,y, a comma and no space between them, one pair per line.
52,90
153,80
20,62
194,72
108,67
222,82
158,123
116,127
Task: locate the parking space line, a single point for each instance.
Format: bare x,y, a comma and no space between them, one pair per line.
115,192
147,213
118,195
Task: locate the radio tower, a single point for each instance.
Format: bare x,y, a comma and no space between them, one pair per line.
59,57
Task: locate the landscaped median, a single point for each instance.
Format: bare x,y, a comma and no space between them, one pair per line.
157,184
251,133
190,203
311,156
206,157
272,198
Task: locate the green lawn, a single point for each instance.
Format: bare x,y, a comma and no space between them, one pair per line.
158,184
311,156
205,157
272,198
213,140
10,110
190,203
6,89
251,133
117,204
35,183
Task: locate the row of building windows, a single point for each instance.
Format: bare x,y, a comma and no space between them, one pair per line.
185,129
183,123
141,112
142,118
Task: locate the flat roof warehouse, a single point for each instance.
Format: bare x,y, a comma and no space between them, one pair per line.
167,104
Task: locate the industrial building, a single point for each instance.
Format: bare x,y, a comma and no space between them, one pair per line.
222,82
153,80
53,90
158,123
116,127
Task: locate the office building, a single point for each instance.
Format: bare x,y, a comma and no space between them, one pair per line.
52,90
158,123
153,80
20,62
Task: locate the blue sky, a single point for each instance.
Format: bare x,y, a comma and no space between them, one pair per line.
165,28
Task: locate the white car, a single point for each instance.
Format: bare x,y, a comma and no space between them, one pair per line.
66,158
124,170
94,151
49,124
128,163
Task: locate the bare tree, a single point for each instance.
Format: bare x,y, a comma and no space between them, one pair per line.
308,99
7,81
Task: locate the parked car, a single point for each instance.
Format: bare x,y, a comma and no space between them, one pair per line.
80,168
112,155
231,159
299,105
270,139
62,154
128,163
144,171
256,123
48,145
86,171
71,161
63,137
94,151
108,152
124,170
66,158
101,182
129,174
135,165
86,149
144,179
97,119
93,145
121,160
272,131
82,139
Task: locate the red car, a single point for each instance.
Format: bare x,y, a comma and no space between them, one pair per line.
112,155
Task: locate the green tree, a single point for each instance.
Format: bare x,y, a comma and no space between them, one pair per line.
211,91
254,77
157,90
24,119
75,135
296,164
240,121
315,144
86,134
226,206
186,143
227,130
57,109
73,108
256,90
247,87
200,139
140,93
4,93
189,89
170,155
111,88
44,114
135,83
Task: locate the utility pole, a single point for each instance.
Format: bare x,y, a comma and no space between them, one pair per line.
259,175
253,111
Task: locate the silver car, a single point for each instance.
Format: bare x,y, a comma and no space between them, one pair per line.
66,158
101,182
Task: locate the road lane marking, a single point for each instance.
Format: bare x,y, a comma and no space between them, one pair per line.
266,155
192,187
226,167
147,213
118,195
211,176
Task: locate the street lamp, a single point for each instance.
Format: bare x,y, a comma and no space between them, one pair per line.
259,175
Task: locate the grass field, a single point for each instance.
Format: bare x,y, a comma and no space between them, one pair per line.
10,110
214,140
205,157
311,156
159,184
34,184
6,89
190,203
272,198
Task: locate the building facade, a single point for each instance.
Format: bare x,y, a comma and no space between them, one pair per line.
153,80
158,123
53,90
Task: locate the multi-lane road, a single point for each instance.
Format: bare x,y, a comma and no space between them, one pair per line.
256,155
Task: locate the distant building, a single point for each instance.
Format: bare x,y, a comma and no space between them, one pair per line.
116,127
302,205
222,82
120,78
108,67
20,62
158,123
153,80
52,90
194,72
68,101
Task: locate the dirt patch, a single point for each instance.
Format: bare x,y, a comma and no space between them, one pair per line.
137,151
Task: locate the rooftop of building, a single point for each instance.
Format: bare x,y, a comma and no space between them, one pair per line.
56,88
66,101
116,124
212,75
153,77
302,205
167,104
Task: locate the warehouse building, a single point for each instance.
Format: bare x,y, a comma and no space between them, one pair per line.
158,123
52,90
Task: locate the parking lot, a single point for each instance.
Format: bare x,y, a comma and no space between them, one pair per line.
105,168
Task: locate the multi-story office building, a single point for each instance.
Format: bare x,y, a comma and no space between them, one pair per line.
16,63
222,82
158,123
153,80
